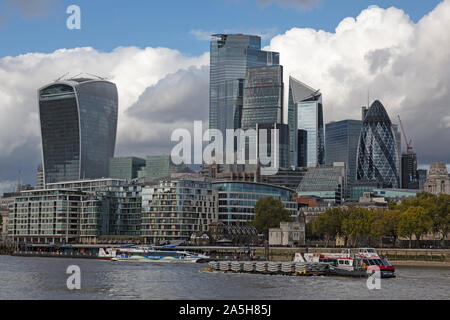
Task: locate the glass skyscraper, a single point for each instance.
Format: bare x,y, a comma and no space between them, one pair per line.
377,149
230,56
305,112
341,145
78,127
263,96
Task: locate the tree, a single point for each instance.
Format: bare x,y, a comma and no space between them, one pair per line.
328,224
440,214
414,221
358,223
378,228
390,223
269,212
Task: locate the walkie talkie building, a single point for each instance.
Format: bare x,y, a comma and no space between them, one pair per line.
78,127
377,149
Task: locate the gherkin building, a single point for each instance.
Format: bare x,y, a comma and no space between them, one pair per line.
377,149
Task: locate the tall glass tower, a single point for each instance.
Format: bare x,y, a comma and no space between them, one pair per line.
341,145
231,55
78,128
263,96
377,149
305,112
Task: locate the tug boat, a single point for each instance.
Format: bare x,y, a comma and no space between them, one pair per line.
363,263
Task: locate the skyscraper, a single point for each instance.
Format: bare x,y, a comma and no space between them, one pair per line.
305,112
78,120
341,145
231,55
263,96
377,159
409,177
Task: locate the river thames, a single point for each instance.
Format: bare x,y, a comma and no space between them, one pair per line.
45,278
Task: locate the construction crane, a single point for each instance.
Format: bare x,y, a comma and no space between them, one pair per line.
408,144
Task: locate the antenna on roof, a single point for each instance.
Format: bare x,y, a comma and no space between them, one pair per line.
61,77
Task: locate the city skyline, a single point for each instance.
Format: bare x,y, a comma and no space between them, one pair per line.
146,97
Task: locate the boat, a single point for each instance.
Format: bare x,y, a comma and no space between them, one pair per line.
363,262
143,254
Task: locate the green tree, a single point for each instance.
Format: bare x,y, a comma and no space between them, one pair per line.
358,224
414,221
439,211
328,224
377,227
269,212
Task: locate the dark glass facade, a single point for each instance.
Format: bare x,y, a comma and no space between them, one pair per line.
410,178
230,56
263,96
283,142
302,148
78,128
377,158
341,145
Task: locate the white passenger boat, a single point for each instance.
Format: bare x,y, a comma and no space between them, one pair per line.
151,255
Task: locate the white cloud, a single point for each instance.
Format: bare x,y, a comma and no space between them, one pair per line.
403,64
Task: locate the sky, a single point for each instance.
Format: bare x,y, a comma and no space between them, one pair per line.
157,52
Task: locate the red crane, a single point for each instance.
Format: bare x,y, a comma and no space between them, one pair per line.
408,144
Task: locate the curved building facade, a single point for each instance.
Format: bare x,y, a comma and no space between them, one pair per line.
237,199
377,158
78,128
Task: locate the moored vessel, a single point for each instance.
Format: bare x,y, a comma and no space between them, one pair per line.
362,263
149,254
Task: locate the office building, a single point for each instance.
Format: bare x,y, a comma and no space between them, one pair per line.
325,182
158,167
125,168
263,96
410,179
230,56
341,145
78,120
377,159
305,112
237,200
302,149
422,176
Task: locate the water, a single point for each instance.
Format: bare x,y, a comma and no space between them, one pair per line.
45,278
